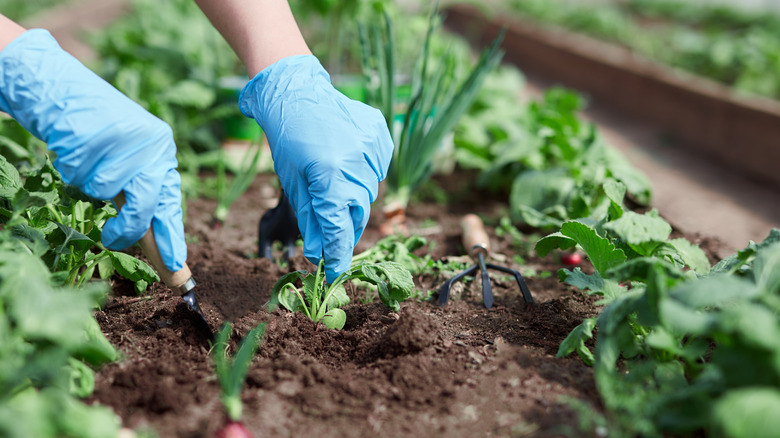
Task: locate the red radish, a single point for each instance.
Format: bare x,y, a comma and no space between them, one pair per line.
234,429
571,258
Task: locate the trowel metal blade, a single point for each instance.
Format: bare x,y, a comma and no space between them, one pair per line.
192,303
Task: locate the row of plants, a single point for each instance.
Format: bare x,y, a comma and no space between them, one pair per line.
680,347
54,272
734,46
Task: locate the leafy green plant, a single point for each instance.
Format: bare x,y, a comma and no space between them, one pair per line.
231,374
553,164
49,345
59,224
322,302
675,336
399,249
436,103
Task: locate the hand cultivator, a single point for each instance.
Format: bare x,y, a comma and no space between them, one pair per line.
475,238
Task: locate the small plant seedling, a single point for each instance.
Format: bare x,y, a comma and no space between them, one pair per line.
322,302
231,374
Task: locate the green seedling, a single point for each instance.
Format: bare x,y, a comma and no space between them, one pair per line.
322,302
231,373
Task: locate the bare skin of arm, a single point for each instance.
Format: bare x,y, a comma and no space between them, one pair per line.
261,32
9,30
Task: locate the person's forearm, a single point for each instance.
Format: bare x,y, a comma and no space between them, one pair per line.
260,31
9,30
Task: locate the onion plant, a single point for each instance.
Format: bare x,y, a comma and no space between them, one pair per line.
231,373
438,100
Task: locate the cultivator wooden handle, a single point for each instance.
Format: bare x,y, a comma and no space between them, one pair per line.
475,238
178,280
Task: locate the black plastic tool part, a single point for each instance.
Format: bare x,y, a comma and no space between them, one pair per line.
278,224
487,291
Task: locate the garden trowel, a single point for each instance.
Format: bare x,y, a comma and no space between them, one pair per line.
180,281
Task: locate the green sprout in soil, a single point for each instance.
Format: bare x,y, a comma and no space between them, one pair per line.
322,302
231,373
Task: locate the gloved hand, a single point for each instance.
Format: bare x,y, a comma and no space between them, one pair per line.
330,153
105,143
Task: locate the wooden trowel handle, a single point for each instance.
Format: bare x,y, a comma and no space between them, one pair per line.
475,238
174,280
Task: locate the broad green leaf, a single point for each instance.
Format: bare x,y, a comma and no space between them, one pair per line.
189,93
553,241
661,339
608,288
538,219
23,199
683,319
10,181
337,298
73,238
399,281
615,192
713,291
394,282
754,324
636,182
766,268
131,268
33,238
539,191
105,268
643,232
334,319
614,315
289,278
745,255
312,289
39,311
575,341
640,269
77,419
692,255
95,349
51,412
290,298
82,379
601,252
747,413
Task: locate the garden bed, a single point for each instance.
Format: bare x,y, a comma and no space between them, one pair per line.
460,370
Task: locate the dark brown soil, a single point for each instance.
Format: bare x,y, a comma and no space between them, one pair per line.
458,371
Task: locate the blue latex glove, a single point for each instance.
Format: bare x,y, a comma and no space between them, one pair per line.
105,143
330,153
